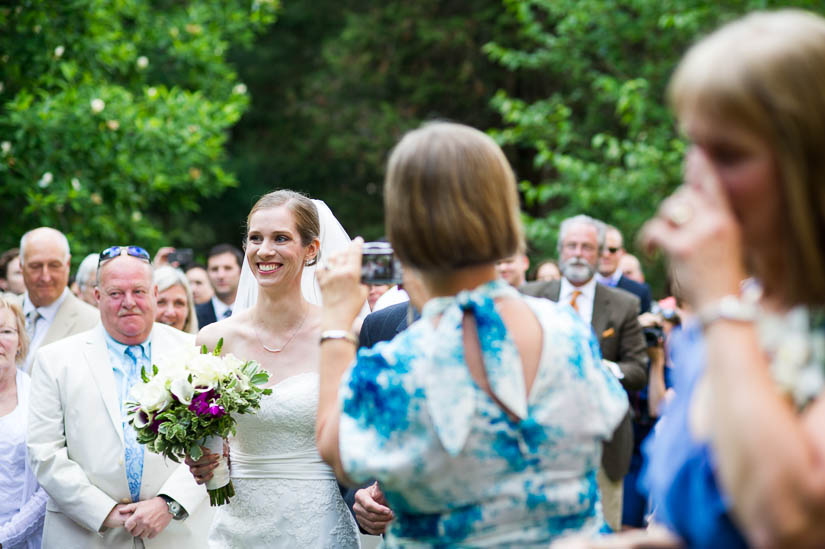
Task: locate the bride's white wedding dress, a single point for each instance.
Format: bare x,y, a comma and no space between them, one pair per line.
285,496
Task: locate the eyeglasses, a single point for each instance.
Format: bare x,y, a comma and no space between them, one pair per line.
613,250
117,251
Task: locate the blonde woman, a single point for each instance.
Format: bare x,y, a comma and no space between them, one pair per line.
176,306
22,500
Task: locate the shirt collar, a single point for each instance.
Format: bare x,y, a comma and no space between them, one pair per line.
611,280
120,348
220,307
49,311
567,289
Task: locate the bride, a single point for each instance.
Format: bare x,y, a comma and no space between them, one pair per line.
285,496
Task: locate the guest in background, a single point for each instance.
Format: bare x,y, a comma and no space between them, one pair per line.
461,417
176,307
631,268
86,279
11,274
609,273
52,312
513,269
376,291
547,270
223,264
199,283
22,500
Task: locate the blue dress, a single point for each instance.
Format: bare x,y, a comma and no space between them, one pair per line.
454,467
680,473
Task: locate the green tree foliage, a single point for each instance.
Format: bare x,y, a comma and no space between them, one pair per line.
114,113
335,85
592,130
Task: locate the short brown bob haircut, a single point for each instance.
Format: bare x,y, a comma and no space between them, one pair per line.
765,73
450,199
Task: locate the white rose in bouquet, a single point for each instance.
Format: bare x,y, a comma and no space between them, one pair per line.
152,396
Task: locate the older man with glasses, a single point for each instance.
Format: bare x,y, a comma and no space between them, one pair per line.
609,273
105,490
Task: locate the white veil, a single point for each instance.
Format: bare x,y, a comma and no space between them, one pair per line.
333,237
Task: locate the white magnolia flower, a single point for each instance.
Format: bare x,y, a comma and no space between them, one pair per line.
152,396
151,92
142,62
5,146
58,51
240,89
45,180
136,216
97,105
181,388
75,183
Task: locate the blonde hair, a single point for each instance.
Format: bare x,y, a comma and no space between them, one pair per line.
450,199
766,73
303,211
20,321
166,277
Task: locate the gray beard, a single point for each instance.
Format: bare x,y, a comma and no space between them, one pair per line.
577,272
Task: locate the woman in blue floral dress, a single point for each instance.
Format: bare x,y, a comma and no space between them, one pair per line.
483,422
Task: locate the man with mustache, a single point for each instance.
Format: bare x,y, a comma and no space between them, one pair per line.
52,312
104,490
612,313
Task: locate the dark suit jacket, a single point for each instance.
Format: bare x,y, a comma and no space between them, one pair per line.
206,314
381,325
642,291
620,339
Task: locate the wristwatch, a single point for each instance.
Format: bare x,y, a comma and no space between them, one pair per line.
175,509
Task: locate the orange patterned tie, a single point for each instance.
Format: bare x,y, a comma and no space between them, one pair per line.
576,294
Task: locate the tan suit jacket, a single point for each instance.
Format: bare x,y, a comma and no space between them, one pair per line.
73,316
76,448
617,328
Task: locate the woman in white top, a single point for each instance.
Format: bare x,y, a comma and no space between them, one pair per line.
22,500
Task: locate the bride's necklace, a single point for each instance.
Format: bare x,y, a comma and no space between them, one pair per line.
273,350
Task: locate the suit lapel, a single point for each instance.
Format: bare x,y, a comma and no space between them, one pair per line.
63,322
601,305
97,359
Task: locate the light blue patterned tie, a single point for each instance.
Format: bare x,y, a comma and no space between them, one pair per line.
134,450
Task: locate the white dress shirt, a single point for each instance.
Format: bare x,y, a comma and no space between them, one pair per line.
611,280
220,308
42,325
584,303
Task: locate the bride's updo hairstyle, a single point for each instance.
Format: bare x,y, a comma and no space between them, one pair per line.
450,199
765,73
303,211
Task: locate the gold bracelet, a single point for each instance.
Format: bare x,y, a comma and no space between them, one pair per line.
327,335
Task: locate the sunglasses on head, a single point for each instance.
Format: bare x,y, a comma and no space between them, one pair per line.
117,251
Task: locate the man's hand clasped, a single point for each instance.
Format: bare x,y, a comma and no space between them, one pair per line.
143,519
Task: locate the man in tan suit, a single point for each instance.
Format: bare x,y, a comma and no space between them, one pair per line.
613,315
105,490
52,312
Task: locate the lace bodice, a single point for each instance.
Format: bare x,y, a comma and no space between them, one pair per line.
285,496
287,416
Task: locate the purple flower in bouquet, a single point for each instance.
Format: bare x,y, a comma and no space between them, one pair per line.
202,402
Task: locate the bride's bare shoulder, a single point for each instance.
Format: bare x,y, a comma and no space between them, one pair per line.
227,329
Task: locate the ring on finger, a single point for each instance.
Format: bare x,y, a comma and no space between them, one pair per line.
679,213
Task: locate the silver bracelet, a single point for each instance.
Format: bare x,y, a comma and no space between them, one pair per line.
327,335
729,307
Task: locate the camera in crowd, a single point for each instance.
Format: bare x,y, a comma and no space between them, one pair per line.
654,333
379,264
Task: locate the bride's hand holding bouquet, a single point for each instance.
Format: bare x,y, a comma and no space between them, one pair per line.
188,403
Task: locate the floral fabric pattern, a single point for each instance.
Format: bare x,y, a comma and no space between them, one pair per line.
455,468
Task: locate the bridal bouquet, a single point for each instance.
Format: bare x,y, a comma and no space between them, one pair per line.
189,400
